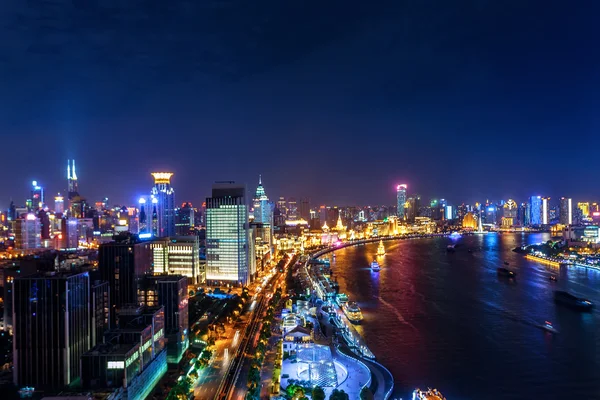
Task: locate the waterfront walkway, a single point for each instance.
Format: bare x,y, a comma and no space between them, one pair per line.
381,382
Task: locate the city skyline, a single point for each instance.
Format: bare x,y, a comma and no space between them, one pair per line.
430,96
132,198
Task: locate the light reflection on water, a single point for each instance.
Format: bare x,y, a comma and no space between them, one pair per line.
447,320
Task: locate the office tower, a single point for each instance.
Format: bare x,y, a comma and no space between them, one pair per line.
59,204
72,184
52,328
122,263
448,213
535,210
401,201
305,209
178,256
37,197
292,209
70,233
282,206
12,211
228,255
263,213
545,210
100,311
44,218
184,220
163,203
566,211
28,232
585,209
143,217
171,293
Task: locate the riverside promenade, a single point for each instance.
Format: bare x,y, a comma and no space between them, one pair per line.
381,381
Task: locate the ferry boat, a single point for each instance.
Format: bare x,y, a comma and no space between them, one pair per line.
450,248
352,311
341,299
507,273
375,266
381,249
429,394
569,300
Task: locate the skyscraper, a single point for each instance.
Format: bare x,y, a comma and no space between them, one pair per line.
37,196
545,210
73,186
228,256
535,210
165,203
585,209
59,204
28,232
566,211
52,328
263,212
401,200
184,219
122,264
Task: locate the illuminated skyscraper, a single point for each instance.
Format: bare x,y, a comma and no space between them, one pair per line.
566,211
28,232
545,210
535,211
263,212
184,219
228,255
59,204
401,200
73,186
164,203
143,217
37,196
585,209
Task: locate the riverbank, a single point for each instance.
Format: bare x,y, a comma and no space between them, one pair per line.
347,339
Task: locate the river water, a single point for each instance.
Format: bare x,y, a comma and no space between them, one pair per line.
446,320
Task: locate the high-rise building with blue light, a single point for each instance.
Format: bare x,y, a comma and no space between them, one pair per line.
163,200
535,210
228,240
401,200
263,212
73,186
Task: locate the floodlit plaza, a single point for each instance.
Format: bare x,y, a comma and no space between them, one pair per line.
316,365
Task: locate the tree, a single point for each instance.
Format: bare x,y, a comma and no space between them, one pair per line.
339,395
366,394
318,393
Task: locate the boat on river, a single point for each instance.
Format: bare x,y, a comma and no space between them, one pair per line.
569,300
353,312
429,394
375,266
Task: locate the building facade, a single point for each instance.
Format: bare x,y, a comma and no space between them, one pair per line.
178,256
163,200
28,232
123,264
228,257
401,200
52,328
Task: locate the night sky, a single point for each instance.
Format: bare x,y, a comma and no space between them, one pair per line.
332,100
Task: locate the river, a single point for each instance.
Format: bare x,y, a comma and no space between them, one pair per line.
446,320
